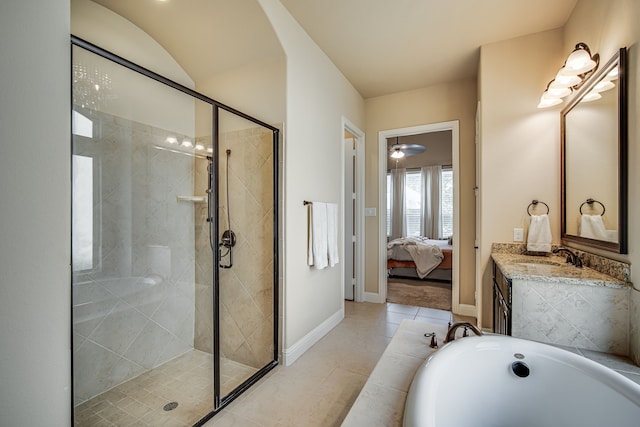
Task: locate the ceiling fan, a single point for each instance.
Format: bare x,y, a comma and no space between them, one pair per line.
399,151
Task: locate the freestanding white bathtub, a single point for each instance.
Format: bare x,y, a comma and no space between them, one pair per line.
496,380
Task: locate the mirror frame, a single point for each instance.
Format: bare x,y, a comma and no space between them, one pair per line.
621,246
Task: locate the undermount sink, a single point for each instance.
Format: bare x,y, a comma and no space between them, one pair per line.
534,262
549,268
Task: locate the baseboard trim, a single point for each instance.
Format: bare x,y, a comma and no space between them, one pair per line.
371,297
465,310
291,354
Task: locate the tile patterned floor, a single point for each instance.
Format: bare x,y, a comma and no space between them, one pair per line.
318,390
139,402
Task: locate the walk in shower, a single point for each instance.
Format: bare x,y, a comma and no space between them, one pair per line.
174,247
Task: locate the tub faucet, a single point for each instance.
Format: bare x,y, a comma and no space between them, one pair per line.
451,332
572,257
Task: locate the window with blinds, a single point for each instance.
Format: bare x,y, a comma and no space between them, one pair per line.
414,194
446,201
413,202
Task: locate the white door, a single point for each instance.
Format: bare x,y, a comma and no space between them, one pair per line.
349,217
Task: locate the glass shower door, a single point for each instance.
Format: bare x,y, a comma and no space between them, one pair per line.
138,277
174,247
247,236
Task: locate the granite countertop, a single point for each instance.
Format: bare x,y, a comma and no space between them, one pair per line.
551,269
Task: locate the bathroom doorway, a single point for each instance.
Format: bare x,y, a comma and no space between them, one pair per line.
420,207
174,247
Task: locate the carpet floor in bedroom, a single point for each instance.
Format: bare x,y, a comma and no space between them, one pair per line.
419,293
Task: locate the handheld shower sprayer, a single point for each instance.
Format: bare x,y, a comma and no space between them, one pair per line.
228,239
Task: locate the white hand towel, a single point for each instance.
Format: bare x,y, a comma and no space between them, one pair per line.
592,227
318,238
332,233
539,238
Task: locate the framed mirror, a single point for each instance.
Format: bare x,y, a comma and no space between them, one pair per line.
594,160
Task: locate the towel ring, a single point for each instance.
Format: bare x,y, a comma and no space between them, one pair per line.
590,202
535,203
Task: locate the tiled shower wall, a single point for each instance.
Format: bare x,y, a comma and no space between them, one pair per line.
246,290
135,309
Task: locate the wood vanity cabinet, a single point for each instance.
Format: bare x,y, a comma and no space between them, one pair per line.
501,302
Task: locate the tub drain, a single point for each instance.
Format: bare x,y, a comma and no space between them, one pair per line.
170,406
520,369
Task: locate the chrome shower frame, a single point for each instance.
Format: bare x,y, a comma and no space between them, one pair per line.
213,194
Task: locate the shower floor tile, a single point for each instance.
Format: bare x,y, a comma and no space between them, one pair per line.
139,402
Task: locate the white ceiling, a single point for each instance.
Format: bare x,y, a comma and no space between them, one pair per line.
381,46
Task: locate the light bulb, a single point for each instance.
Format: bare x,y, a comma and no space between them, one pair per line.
612,75
579,62
560,92
603,86
546,101
564,81
591,96
397,154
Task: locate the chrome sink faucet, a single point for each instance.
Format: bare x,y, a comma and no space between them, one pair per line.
572,257
451,333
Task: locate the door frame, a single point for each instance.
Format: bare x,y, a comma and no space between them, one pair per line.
359,136
454,127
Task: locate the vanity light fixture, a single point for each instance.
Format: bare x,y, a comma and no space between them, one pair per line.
603,86
591,96
612,75
553,95
579,61
576,69
562,80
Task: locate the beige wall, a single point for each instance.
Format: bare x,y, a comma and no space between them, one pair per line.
258,89
519,143
607,26
441,103
35,307
317,97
